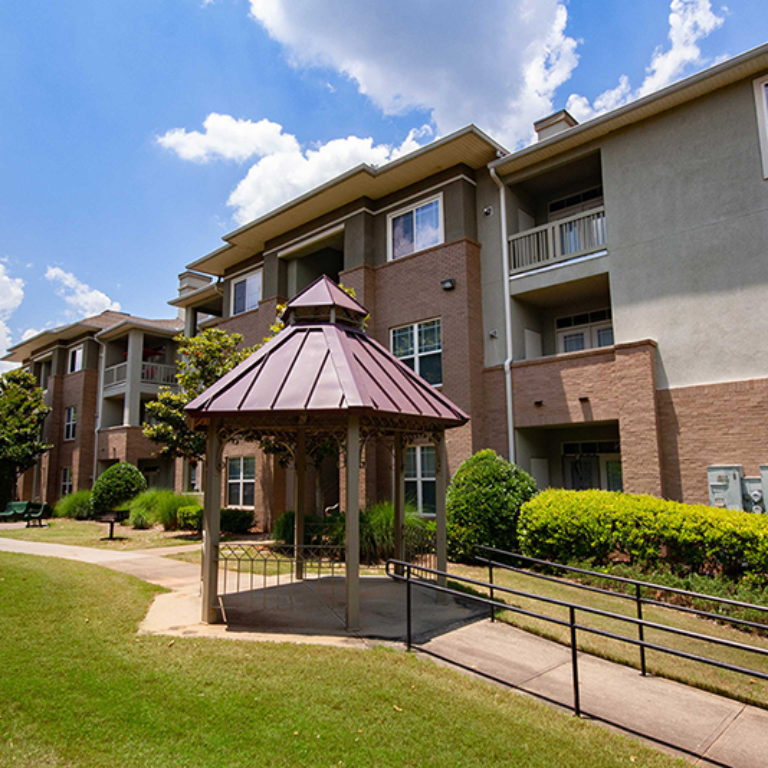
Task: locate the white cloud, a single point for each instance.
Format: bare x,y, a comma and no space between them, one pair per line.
495,63
689,22
285,170
11,296
228,138
83,299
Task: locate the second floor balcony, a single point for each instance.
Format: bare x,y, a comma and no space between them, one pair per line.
151,373
567,238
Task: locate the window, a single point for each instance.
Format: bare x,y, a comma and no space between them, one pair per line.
70,423
241,475
75,360
193,481
761,105
66,481
584,331
246,292
420,347
413,229
420,477
592,465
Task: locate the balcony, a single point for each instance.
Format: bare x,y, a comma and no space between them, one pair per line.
558,241
151,373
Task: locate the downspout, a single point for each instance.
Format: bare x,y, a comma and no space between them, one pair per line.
99,397
507,311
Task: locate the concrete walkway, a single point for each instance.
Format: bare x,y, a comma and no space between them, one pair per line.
704,728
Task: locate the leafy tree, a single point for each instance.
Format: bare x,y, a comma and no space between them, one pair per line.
202,360
22,413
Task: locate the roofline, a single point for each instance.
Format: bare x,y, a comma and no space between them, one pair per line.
138,324
40,338
371,171
213,288
708,80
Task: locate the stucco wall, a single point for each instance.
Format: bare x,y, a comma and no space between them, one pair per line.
687,217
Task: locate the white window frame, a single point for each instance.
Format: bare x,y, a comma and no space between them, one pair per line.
66,481
413,207
240,482
420,478
590,331
70,422
75,364
761,106
417,354
244,277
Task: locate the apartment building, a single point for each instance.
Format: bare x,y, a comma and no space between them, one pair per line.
595,302
97,374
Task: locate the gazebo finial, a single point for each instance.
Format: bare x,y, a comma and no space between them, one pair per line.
324,302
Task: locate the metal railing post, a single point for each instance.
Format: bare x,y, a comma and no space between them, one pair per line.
574,661
408,606
490,591
640,628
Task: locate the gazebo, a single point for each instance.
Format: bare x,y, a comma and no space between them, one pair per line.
322,378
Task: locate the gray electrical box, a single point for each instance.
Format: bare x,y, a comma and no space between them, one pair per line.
725,486
754,495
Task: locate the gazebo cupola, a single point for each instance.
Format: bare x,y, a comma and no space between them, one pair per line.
322,377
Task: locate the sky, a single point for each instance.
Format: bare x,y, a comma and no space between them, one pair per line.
135,133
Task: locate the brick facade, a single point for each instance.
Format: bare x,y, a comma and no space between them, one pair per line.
711,424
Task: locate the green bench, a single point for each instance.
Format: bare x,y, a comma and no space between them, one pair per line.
31,511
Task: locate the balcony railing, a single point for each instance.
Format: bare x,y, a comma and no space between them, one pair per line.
158,373
559,240
115,374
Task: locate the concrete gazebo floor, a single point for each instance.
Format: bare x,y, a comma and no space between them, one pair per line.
313,610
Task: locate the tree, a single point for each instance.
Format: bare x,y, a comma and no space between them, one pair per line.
202,360
22,413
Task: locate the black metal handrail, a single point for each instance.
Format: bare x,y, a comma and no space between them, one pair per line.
402,571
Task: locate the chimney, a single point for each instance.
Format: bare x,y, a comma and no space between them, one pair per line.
554,124
191,281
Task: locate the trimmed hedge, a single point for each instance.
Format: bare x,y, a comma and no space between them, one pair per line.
602,525
483,503
236,520
115,486
190,517
75,505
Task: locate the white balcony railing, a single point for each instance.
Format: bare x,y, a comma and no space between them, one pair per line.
158,373
115,374
560,240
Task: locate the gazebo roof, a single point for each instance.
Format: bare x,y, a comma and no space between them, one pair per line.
324,368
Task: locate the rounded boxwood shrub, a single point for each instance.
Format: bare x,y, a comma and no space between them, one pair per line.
483,503
115,486
76,506
190,517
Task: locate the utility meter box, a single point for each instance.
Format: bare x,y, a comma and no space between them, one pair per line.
725,486
754,495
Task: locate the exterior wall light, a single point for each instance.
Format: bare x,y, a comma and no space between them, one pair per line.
448,285
538,403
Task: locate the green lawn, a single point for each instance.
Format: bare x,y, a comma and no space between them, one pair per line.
742,687
80,688
87,533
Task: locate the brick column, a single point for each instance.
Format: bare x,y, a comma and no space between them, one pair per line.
635,380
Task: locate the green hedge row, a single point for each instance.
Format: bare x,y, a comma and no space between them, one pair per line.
599,525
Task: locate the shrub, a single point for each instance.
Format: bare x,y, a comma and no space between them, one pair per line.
190,517
483,503
236,520
603,525
75,505
115,486
157,505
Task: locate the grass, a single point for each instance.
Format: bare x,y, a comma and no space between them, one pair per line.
80,688
87,533
738,686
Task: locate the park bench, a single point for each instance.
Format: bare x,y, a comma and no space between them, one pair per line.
30,511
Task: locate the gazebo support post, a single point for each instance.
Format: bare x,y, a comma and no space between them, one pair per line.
211,526
398,498
299,475
353,524
441,486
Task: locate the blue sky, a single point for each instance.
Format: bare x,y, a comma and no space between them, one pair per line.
134,133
